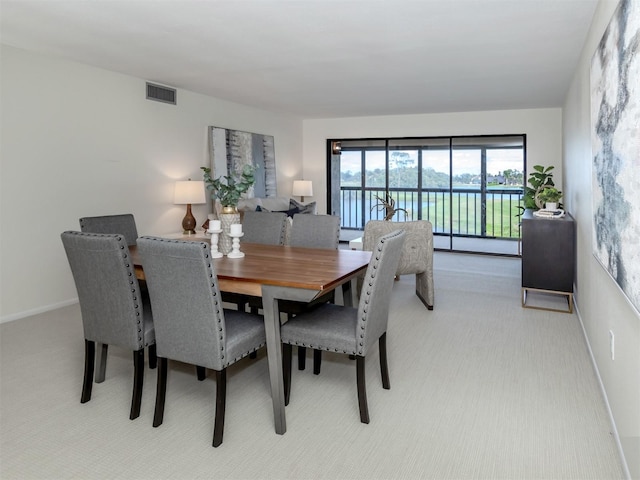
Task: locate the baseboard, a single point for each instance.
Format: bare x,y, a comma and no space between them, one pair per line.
614,429
36,311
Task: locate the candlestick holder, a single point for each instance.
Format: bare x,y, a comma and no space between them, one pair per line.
214,243
235,246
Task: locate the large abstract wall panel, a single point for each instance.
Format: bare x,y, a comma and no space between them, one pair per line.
615,141
231,150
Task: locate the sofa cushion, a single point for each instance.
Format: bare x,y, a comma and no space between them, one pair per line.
275,204
249,204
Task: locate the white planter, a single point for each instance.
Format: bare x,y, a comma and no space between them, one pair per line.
225,242
550,206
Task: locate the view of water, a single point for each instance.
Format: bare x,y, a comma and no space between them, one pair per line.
435,206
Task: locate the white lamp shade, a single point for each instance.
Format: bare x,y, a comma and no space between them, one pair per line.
302,188
188,191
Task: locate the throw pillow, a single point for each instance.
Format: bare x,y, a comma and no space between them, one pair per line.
290,213
309,208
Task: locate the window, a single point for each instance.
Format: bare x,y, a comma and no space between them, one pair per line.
467,187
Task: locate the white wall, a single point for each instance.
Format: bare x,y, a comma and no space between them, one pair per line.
542,126
80,141
601,304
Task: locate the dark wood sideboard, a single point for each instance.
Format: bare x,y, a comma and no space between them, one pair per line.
548,257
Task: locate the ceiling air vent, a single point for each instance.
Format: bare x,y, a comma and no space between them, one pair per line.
161,94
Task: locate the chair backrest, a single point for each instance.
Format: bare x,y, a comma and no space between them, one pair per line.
187,307
267,228
417,253
315,231
375,296
110,298
123,224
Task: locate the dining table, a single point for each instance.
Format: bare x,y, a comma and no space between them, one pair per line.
277,272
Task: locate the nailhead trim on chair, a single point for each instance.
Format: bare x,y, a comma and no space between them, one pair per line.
322,347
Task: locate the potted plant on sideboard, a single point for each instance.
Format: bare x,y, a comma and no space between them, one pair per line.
550,196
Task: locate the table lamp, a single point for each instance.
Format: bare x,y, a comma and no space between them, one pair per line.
188,192
302,188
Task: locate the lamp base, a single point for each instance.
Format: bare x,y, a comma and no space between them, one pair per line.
189,222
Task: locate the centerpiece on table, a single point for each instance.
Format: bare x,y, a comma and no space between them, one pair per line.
228,189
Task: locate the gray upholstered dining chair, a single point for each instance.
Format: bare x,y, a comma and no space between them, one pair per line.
312,231
112,306
123,224
267,228
417,253
191,324
349,330
315,231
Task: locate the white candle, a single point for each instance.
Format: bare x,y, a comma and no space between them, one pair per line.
236,228
214,224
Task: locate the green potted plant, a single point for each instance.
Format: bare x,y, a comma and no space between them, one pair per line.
229,188
541,178
550,196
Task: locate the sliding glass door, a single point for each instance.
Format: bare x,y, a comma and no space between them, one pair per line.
469,188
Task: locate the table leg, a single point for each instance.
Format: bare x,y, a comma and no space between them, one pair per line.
274,356
349,293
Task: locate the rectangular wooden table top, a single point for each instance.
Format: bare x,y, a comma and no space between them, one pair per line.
309,268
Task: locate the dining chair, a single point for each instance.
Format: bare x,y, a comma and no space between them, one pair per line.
191,324
315,231
267,228
123,224
349,330
312,231
417,252
114,311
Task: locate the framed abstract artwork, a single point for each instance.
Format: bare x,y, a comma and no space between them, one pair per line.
230,150
615,144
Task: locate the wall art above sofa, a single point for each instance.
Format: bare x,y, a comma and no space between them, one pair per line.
230,150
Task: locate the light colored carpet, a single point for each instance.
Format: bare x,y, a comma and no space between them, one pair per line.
480,388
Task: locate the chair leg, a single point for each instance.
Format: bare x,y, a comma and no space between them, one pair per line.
221,399
153,357
384,367
89,363
362,390
302,358
103,349
138,380
286,371
201,373
161,392
317,361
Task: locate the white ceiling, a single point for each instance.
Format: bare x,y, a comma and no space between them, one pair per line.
323,58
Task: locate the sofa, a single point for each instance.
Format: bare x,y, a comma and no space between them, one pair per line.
277,204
